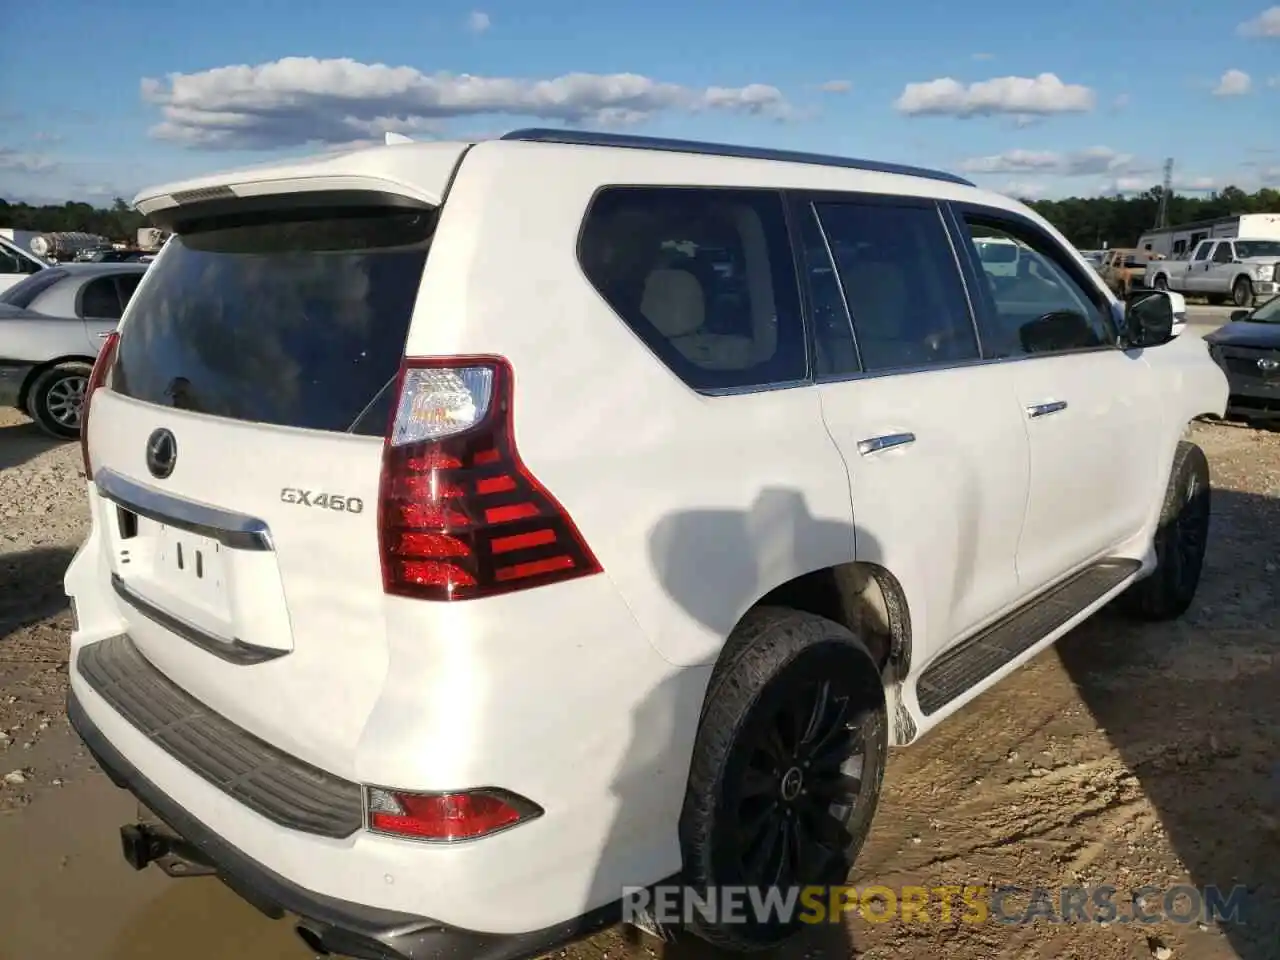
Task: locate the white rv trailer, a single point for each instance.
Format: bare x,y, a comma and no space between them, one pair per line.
1177,241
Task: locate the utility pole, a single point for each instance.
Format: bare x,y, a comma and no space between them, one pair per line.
1166,188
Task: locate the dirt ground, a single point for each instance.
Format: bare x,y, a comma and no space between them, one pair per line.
1127,756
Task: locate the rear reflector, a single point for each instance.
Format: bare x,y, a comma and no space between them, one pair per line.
446,816
459,515
98,376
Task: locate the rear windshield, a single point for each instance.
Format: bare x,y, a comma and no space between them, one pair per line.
295,319
22,293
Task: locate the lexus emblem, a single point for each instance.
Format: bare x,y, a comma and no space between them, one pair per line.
162,453
1264,363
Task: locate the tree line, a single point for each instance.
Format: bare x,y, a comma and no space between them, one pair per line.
1088,222
117,222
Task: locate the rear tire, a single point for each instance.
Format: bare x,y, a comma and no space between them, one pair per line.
786,769
1181,541
56,399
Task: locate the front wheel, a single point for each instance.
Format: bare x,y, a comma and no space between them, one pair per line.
786,770
1242,292
56,399
1181,541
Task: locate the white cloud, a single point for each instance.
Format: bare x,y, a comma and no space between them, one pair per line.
836,86
478,21
984,56
302,100
1271,175
1234,83
1091,161
1023,189
26,162
1121,101
1136,184
1265,24
1021,96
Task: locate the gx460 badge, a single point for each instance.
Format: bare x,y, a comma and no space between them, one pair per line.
330,501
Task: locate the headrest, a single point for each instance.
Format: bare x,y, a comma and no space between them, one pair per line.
673,302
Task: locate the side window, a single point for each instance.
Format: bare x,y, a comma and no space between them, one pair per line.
1039,307
10,262
99,299
901,282
1202,251
705,277
126,283
1222,253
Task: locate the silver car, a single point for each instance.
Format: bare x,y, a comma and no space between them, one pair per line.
52,325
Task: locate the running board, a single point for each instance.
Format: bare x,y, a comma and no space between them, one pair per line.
977,658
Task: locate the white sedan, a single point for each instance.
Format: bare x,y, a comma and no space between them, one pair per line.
52,325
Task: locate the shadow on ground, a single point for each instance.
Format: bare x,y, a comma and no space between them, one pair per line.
20,442
31,586
1193,710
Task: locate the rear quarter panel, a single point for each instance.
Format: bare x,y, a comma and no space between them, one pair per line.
696,506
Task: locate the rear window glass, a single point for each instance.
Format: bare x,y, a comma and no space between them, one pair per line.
295,319
24,292
706,278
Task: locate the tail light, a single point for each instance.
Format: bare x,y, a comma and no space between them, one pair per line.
446,816
98,376
459,515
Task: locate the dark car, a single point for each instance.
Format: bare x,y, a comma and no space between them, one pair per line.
1248,350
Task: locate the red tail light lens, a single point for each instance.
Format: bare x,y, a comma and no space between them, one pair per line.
459,514
98,376
446,816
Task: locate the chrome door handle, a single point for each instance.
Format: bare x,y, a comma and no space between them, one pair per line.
884,442
103,336
1044,409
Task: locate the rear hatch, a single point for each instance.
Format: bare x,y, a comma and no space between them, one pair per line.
237,444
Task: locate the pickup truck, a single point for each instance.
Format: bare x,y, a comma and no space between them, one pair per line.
1122,270
1238,269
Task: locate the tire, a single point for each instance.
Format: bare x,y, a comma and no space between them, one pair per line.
1180,542
55,398
1161,282
780,667
1242,292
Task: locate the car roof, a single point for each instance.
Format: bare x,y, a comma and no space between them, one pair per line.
89,269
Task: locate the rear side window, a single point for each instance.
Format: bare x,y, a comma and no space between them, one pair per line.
99,300
292,318
901,283
23,293
704,277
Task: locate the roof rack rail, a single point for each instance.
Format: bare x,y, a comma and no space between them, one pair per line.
595,139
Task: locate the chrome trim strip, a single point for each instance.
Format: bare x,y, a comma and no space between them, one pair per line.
235,530
231,650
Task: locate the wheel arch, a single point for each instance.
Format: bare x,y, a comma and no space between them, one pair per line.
866,598
37,371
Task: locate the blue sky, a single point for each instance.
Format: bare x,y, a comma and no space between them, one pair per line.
1039,99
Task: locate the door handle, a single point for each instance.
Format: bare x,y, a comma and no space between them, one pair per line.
884,442
103,336
1044,409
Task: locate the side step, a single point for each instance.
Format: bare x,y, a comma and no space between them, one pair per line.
977,658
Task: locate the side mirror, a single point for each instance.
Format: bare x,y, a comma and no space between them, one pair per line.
1149,318
1238,315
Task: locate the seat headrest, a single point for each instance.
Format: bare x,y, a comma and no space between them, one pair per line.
673,302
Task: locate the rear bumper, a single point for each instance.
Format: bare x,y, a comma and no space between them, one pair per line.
12,375
351,929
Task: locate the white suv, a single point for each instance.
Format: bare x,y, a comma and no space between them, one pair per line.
482,529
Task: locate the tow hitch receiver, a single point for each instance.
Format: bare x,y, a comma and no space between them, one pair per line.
144,843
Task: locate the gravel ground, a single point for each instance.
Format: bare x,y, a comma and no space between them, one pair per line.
1126,756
